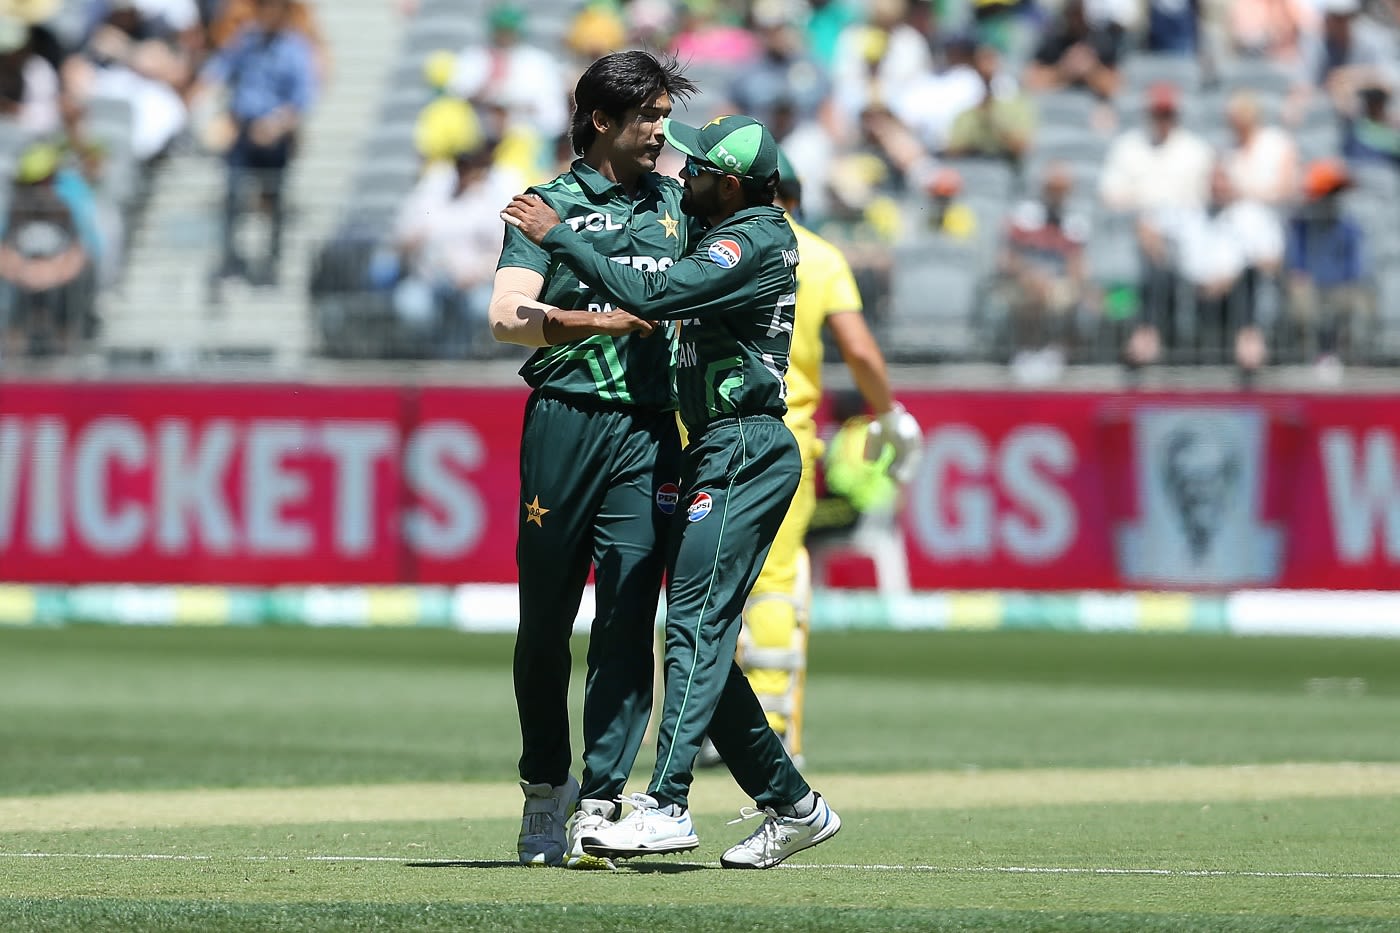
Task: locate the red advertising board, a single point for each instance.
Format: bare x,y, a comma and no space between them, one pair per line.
270,484
256,484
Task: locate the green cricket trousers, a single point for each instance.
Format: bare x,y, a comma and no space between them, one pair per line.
737,479
598,488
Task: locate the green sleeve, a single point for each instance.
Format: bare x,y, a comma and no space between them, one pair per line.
517,252
694,287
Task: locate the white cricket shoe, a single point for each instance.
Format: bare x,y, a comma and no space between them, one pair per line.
644,831
781,836
542,824
591,818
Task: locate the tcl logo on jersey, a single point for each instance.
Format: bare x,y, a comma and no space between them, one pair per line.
725,253
594,223
668,496
699,507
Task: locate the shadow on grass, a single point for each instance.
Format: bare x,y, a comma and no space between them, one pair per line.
641,868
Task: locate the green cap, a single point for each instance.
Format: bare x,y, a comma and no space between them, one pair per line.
740,145
507,17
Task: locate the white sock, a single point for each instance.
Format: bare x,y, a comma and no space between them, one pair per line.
801,809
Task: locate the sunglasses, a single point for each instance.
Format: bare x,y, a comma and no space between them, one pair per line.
694,168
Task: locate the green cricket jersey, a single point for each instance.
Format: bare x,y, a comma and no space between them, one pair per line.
647,233
734,299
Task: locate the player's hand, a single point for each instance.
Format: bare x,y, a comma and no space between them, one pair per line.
897,428
618,322
531,215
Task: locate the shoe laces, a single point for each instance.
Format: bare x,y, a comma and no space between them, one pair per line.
640,804
766,836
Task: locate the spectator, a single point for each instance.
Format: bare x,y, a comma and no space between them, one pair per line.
1371,131
949,216
29,88
875,60
1173,27
1000,126
1325,269
812,151
1043,276
597,29
784,72
46,267
707,37
521,149
122,59
166,34
447,125
650,23
1263,161
1164,165
1228,253
448,236
270,73
160,19
867,183
235,15
825,23
1121,17
1074,53
1272,29
1347,42
1006,25
930,103
526,80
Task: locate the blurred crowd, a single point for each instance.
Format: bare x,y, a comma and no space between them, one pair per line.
94,93
1127,181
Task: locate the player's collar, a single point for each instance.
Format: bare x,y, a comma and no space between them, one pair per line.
598,185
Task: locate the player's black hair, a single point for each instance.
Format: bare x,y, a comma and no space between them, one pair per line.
759,193
618,82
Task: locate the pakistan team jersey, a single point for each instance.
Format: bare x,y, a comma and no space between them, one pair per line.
733,296
826,286
647,233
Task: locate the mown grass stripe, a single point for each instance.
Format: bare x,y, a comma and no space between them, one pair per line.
789,866
935,790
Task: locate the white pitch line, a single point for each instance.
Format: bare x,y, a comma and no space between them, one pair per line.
930,869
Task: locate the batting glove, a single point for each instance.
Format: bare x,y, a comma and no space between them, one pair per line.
898,428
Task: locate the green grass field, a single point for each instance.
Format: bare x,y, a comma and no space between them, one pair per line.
294,779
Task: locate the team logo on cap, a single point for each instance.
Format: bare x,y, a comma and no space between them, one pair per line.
699,507
725,253
667,497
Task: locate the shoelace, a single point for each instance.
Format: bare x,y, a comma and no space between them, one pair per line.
638,802
767,832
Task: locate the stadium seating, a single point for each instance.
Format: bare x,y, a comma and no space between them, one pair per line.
934,288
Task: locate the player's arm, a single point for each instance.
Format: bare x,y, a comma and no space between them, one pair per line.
518,316
697,285
692,287
893,425
863,358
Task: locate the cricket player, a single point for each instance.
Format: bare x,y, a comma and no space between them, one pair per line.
773,644
734,297
599,452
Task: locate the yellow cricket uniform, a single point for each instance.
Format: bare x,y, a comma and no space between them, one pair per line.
772,625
